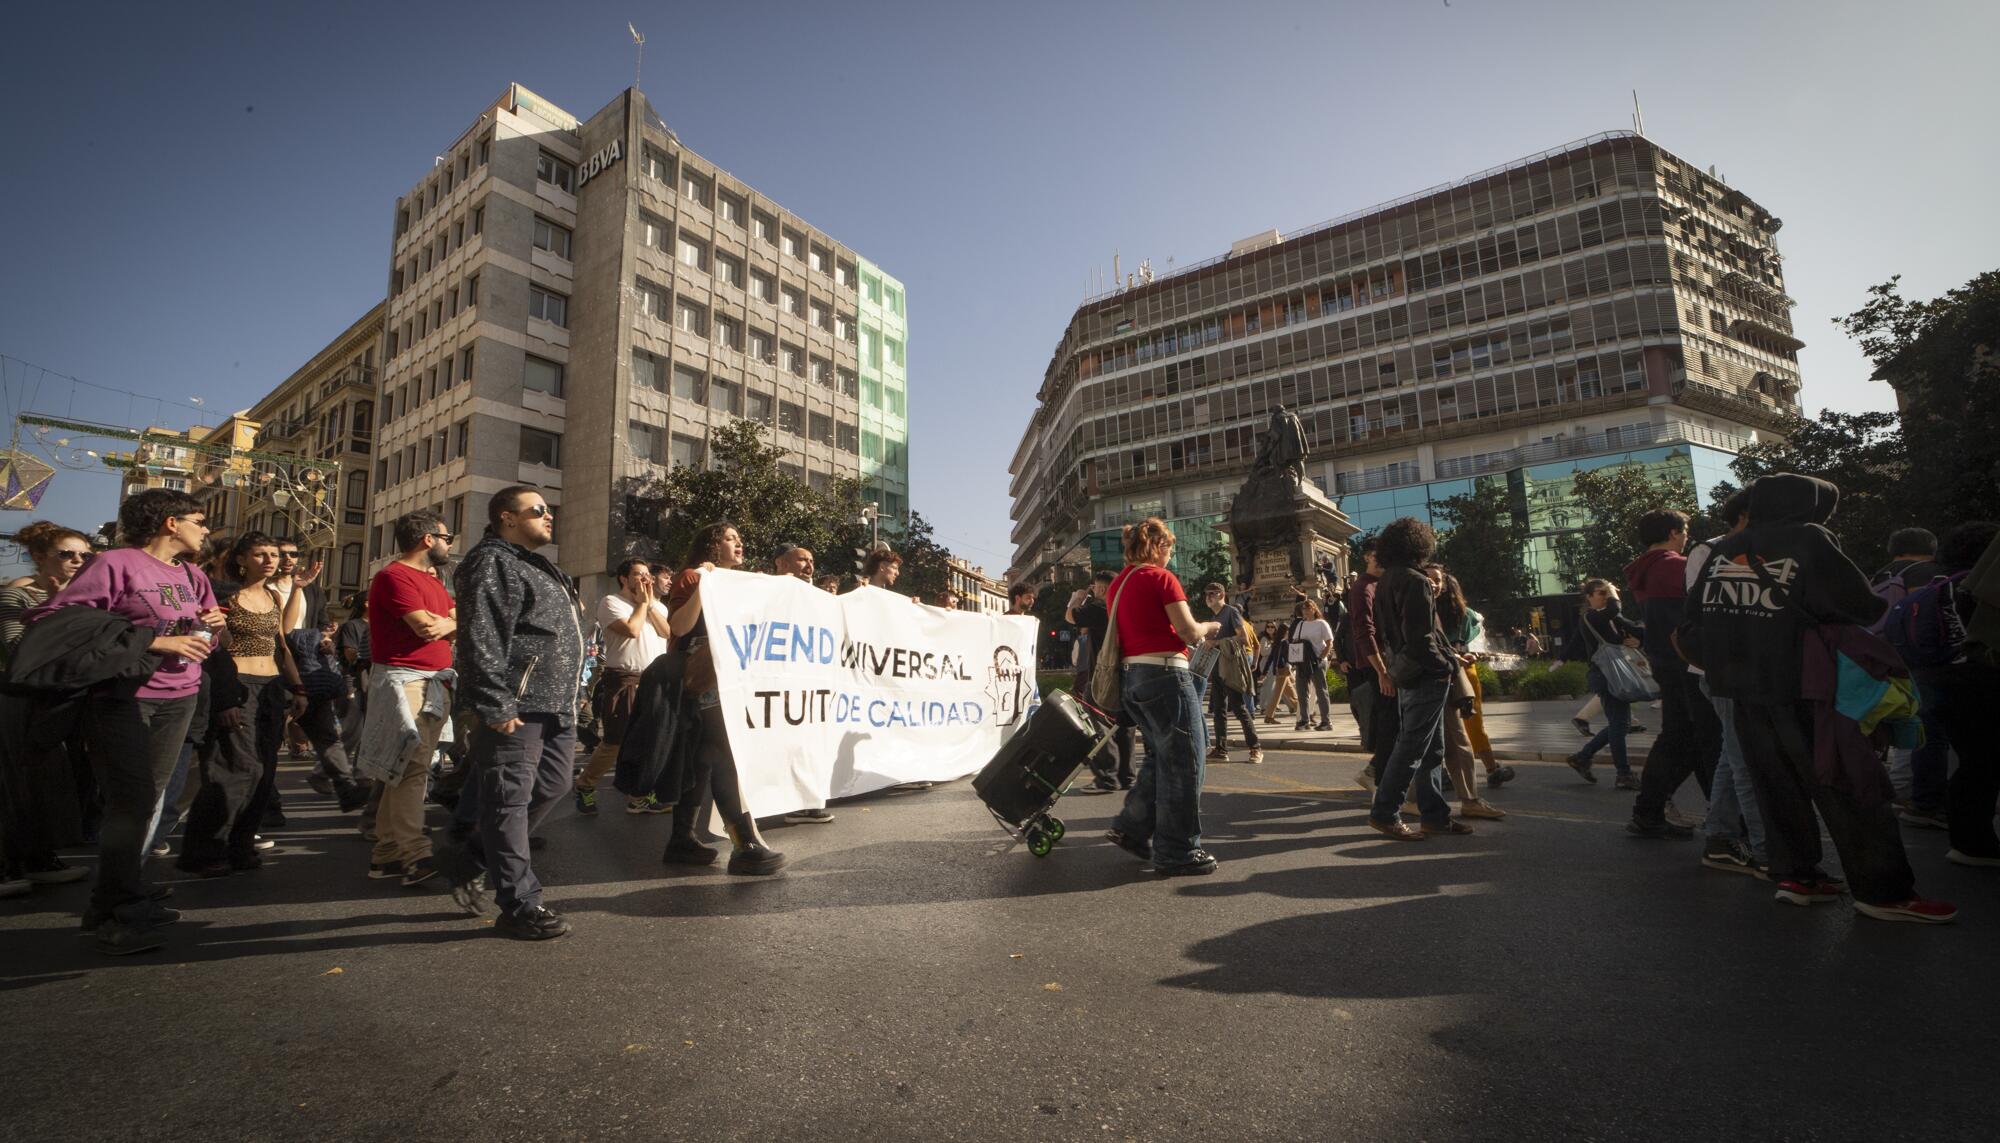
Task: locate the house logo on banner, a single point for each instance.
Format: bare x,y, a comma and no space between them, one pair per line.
829,696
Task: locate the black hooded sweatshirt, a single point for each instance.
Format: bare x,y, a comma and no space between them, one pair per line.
1746,630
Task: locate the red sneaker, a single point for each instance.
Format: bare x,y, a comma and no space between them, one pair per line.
1808,892
1915,909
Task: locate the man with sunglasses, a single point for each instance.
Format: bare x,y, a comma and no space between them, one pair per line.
412,621
520,662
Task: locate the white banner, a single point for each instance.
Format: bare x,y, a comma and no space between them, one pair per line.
827,696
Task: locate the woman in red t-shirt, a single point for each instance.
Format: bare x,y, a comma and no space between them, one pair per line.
716,546
1161,819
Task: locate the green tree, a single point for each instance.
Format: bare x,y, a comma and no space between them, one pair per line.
1611,500
657,516
1943,358
1862,453
1485,545
1202,566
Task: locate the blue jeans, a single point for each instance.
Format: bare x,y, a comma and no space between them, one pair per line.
1732,796
1617,716
1164,805
1418,753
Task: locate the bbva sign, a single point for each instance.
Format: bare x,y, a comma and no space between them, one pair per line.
600,162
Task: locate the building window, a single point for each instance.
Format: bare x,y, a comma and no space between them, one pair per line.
791,418
871,349
820,315
871,445
538,447
652,300
722,395
691,317
843,275
694,187
648,441
794,301
684,451
757,407
794,244
729,332
555,172
350,566
355,510
455,518
820,428
871,392
693,252
792,360
843,328
895,351
821,259
548,305
462,436
764,227
655,164
850,382
465,363
895,301
763,286
822,371
687,383
552,237
896,402
729,270
761,347
478,218
730,207
847,438
364,425
649,371
871,288
543,376
653,230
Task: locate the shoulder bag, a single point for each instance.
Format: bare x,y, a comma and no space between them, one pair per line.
1626,671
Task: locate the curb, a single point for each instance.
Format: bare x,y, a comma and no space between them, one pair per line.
1309,746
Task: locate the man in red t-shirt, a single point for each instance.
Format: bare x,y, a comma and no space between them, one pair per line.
411,622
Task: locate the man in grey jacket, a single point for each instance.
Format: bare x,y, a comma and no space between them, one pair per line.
520,659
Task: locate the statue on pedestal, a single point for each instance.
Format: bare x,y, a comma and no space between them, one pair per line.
1282,526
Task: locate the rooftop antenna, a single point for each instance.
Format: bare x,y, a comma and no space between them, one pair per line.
638,51
1638,117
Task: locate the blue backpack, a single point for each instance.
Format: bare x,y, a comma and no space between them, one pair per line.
1924,625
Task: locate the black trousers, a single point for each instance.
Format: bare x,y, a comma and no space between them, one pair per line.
1385,724
1777,744
1362,698
521,776
1956,698
1689,742
134,744
1221,702
235,766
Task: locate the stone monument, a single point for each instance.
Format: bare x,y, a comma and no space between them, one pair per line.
1281,526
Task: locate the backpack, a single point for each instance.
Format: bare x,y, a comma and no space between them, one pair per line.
1891,590
1924,625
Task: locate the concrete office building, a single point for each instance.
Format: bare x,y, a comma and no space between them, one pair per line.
1595,304
572,304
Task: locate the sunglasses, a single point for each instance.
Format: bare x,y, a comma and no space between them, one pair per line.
197,521
291,555
77,556
536,511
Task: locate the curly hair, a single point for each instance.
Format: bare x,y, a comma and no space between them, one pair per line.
42,536
1406,542
243,546
1141,540
144,515
878,559
707,544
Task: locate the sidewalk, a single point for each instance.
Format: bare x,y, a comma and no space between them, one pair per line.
1534,731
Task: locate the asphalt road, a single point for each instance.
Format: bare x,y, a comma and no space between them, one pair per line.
914,976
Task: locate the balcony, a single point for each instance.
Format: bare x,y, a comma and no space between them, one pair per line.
1747,405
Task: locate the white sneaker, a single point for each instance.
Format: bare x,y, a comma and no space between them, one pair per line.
263,843
1674,816
1366,779
1957,858
1256,755
162,849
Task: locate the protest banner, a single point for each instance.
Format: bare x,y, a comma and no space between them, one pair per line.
828,696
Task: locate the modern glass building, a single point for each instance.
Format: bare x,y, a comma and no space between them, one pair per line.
885,413
1596,303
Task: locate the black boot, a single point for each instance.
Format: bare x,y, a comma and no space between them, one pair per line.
752,858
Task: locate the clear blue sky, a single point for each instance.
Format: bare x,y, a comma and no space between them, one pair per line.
199,196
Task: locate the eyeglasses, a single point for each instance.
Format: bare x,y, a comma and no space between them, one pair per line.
77,556
447,537
197,521
536,511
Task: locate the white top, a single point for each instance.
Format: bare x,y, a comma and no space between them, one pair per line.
1316,632
629,652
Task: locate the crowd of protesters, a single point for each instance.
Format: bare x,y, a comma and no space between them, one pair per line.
152,688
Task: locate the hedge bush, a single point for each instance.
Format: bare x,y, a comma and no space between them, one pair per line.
1536,681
